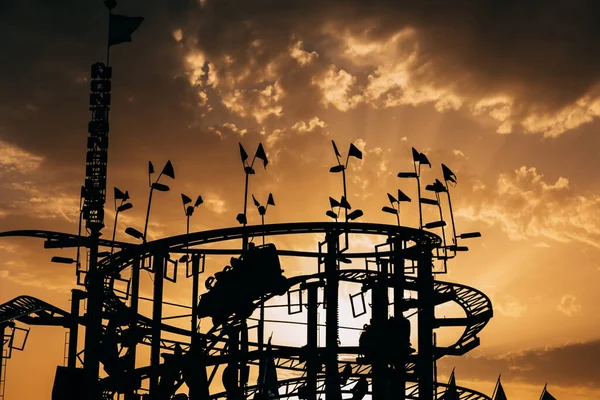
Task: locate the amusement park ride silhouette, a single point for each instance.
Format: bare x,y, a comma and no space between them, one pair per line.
382,365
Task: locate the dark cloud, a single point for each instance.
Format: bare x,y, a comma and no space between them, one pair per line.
574,364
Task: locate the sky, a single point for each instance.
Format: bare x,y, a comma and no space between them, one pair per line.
507,94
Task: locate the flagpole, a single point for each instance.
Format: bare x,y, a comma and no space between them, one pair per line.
543,391
110,4
496,387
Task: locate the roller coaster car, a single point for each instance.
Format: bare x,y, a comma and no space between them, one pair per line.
249,277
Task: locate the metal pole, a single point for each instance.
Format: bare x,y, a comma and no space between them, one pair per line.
426,319
332,376
312,363
93,334
2,334
112,245
135,297
399,279
158,265
245,235
378,326
148,213
76,296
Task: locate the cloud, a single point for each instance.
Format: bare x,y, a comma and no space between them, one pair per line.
568,305
570,365
15,159
303,127
526,206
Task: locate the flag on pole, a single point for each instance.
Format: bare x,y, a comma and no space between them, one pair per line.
449,176
499,393
268,375
354,152
260,153
121,27
451,393
546,395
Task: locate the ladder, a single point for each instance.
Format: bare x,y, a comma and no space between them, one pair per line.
3,374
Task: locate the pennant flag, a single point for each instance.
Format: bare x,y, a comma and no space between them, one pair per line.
499,395
392,199
185,199
268,375
119,195
333,202
198,201
168,170
271,201
150,168
121,27
546,395
354,152
420,157
337,153
243,154
260,153
402,196
344,203
451,393
256,203
449,176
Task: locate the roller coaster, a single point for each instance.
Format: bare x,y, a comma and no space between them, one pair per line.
133,351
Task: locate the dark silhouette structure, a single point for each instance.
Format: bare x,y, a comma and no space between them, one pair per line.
385,363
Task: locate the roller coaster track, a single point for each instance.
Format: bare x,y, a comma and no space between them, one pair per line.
476,305
288,388
32,311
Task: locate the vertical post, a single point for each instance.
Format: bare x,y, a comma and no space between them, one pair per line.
76,296
158,265
135,296
426,319
332,376
379,327
312,363
2,334
399,390
245,234
93,334
195,290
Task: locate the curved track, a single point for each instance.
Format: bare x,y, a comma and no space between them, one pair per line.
476,305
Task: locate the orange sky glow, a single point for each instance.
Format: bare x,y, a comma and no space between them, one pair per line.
505,95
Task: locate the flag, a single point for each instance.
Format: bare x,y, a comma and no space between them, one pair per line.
185,199
402,196
260,153
451,393
243,154
119,195
333,202
344,203
271,201
546,395
449,176
392,199
168,170
150,168
354,152
268,375
121,27
198,201
256,203
499,395
420,157
337,153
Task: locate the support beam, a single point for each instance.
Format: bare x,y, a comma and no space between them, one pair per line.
76,297
399,380
312,362
158,266
424,368
93,329
332,375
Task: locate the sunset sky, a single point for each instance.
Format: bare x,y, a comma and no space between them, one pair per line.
506,94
